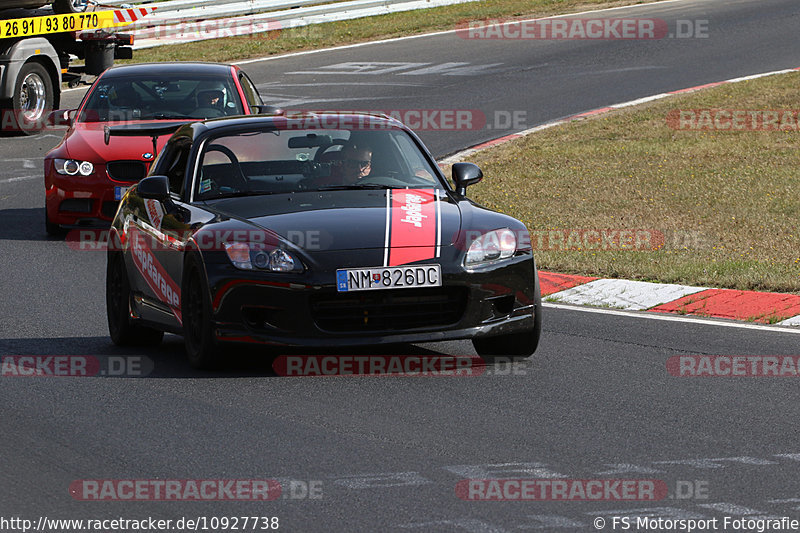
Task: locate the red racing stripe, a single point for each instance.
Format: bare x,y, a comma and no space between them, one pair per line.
413,226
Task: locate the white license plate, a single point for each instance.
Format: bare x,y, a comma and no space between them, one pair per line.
367,279
119,192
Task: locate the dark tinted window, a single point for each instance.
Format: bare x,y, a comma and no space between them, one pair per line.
146,98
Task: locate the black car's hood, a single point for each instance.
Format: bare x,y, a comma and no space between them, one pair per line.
351,219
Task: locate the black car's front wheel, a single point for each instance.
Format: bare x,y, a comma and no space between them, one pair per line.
201,348
118,296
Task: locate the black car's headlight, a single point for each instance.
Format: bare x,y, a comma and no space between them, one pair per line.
71,167
489,247
249,256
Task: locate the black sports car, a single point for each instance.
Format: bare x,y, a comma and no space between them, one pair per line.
314,230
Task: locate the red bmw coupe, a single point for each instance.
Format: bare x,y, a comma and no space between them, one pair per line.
87,174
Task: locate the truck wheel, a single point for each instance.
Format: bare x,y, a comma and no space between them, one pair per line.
33,98
70,6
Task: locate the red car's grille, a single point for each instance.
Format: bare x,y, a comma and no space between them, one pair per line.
126,170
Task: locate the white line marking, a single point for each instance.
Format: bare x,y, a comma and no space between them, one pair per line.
670,318
19,178
436,33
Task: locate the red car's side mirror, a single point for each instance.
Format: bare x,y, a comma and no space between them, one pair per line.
61,117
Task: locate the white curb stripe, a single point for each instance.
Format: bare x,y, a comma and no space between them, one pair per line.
623,294
794,321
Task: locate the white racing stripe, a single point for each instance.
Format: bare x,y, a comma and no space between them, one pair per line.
388,224
438,224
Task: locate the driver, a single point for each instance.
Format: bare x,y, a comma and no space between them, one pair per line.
210,102
356,163
209,99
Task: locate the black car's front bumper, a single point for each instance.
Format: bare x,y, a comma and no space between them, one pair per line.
302,311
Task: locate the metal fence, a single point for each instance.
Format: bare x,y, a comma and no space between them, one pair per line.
178,21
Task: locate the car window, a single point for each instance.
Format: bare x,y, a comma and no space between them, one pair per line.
250,91
124,98
286,161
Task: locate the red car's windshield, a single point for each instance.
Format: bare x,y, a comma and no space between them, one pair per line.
156,98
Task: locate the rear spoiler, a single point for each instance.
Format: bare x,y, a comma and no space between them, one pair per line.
152,130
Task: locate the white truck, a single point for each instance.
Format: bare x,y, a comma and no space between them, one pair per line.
36,52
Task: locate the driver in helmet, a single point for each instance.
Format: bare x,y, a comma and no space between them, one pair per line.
210,101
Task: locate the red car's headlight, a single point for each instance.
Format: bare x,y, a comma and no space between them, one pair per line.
71,167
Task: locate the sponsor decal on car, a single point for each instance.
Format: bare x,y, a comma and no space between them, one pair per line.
413,229
153,272
154,212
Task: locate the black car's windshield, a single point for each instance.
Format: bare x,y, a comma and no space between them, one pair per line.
270,161
124,98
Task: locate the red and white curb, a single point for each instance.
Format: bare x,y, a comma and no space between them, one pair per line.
619,294
764,307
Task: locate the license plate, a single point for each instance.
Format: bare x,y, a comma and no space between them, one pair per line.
119,192
367,279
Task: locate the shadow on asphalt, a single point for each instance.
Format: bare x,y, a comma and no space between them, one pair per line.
24,225
168,360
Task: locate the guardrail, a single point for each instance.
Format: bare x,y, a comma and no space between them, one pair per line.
198,20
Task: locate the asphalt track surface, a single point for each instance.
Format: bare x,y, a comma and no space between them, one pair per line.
385,454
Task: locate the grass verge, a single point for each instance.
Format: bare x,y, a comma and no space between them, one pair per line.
726,202
365,29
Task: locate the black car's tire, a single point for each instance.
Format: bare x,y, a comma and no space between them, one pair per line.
515,345
54,230
70,6
118,296
33,98
201,347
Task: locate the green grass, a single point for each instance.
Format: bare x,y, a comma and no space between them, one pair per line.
231,49
727,202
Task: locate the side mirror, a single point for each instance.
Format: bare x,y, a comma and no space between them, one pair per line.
464,175
267,109
61,117
154,187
